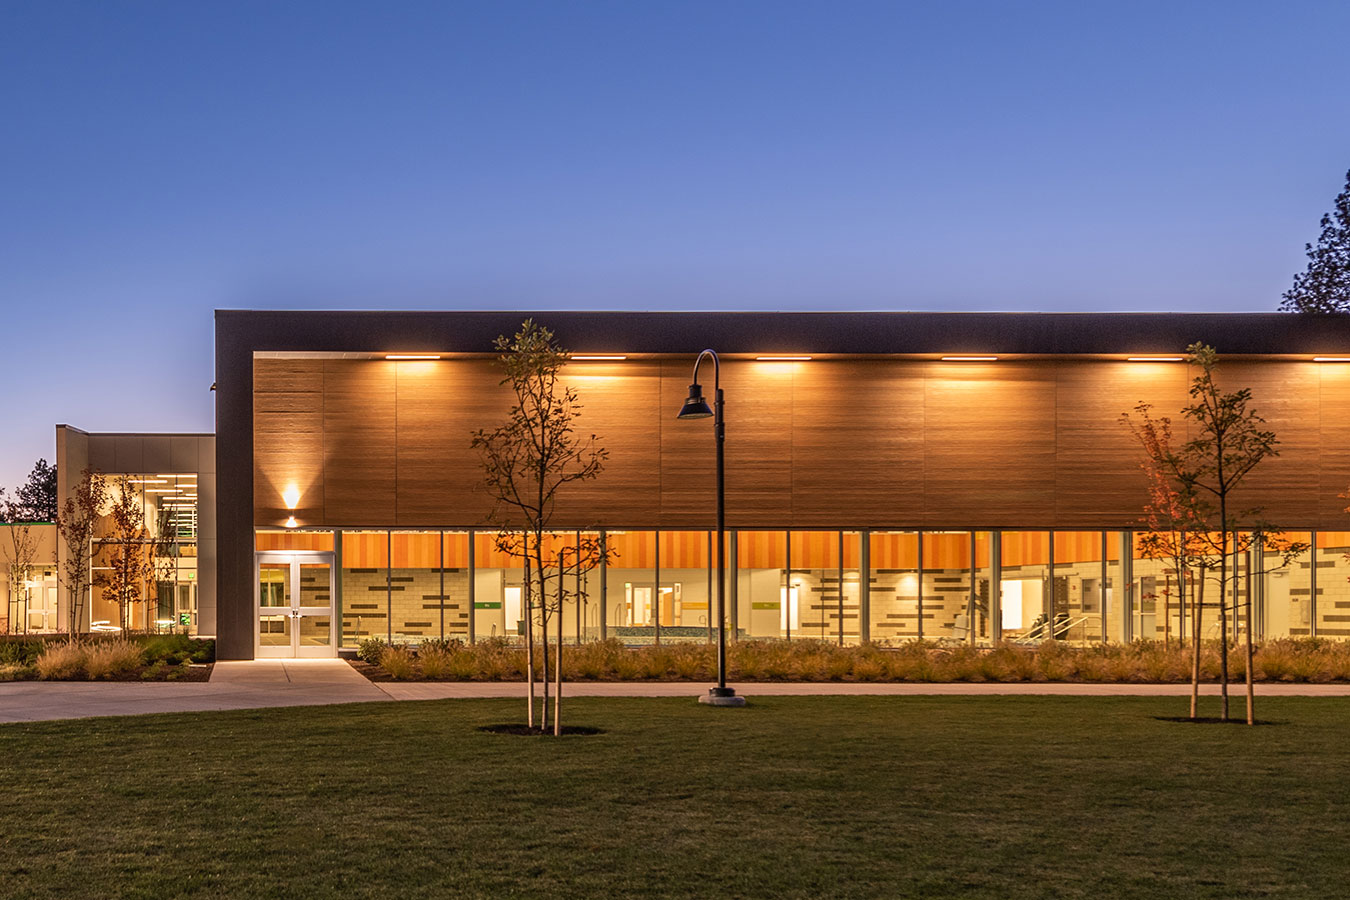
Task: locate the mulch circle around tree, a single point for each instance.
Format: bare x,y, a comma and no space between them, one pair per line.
526,731
1213,720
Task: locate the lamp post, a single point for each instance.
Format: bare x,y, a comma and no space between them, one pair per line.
695,407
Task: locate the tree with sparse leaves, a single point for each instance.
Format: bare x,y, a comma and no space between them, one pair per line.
124,552
75,523
1198,481
528,462
18,554
1324,287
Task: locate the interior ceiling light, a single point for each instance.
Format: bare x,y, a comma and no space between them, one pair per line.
1331,359
598,356
147,481
782,358
1154,358
412,356
970,359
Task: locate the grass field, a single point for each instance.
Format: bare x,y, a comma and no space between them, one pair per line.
789,797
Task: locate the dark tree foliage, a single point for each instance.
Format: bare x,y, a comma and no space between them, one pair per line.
35,500
1325,286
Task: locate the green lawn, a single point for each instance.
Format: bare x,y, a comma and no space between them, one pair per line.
790,797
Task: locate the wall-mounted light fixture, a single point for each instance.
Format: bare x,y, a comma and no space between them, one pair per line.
1331,359
782,359
405,356
1155,358
601,357
970,359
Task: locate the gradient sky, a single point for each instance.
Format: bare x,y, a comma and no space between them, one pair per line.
162,159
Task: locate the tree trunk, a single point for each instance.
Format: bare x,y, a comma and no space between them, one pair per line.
529,639
543,631
558,664
1223,615
1197,644
1251,688
1167,612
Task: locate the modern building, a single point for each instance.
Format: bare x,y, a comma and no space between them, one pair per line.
956,477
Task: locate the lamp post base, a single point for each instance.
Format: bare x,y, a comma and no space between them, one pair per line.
721,697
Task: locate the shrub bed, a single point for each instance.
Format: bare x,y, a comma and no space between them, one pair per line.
134,657
1142,662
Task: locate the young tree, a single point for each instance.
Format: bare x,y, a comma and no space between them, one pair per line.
527,462
1228,443
1169,524
127,563
18,552
569,562
1324,287
75,524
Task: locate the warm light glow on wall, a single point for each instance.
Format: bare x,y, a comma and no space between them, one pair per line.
1154,358
411,356
782,358
970,359
603,357
291,523
291,496
1331,359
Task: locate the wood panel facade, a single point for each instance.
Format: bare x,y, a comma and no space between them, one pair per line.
836,443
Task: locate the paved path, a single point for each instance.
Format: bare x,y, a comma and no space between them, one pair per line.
263,683
233,685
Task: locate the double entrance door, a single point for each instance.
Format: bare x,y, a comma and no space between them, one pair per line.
294,600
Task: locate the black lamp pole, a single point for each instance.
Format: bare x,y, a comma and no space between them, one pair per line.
695,407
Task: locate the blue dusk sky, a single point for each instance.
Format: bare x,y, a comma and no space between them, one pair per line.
162,159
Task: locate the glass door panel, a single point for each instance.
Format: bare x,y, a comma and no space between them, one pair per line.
274,585
315,631
295,604
275,631
315,585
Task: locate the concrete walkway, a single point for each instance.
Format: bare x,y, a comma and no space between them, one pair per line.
233,685
313,682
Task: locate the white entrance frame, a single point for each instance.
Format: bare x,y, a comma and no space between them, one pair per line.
295,558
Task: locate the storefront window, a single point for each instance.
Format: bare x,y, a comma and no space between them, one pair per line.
896,602
162,534
365,587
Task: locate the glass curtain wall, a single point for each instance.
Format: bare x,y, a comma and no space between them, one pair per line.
957,572
408,585
637,607
365,587
1080,588
1287,590
815,577
1333,584
1157,609
850,587
415,589
498,590
453,600
766,609
165,542
897,612
687,588
1027,605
